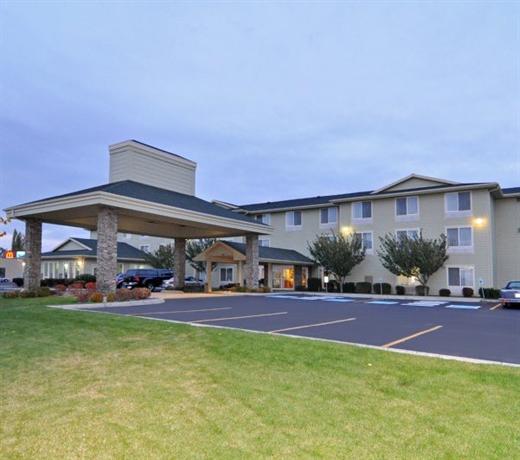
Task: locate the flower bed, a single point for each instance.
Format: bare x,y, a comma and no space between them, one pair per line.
121,295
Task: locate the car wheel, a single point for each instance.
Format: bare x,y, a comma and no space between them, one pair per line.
150,286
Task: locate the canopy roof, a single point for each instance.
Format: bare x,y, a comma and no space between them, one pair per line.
230,251
142,209
86,247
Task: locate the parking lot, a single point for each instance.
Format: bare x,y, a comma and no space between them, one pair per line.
465,330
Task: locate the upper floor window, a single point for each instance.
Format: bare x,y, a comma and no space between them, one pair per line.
410,233
264,218
460,238
328,216
407,206
264,242
362,210
458,202
293,219
366,241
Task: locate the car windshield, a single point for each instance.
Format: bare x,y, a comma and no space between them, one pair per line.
513,285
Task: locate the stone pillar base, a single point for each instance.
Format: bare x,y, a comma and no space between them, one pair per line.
106,267
179,262
33,253
252,258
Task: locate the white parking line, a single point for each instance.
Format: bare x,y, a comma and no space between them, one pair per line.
238,317
425,303
311,325
176,311
383,302
464,307
336,299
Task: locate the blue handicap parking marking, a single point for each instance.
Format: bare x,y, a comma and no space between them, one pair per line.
424,303
337,299
464,306
383,302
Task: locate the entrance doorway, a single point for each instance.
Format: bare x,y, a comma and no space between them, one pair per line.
283,277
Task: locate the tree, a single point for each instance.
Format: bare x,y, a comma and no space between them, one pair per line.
18,241
338,254
194,248
413,256
163,257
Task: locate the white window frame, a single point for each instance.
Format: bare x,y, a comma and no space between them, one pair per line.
264,218
362,220
292,227
368,251
458,213
267,240
408,230
464,267
329,223
460,249
408,216
227,268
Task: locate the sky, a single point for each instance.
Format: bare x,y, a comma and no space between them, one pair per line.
273,100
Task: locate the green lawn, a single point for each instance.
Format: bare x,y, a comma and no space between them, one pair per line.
89,385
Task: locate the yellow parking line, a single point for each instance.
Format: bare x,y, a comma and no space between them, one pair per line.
238,317
311,325
176,311
404,339
496,306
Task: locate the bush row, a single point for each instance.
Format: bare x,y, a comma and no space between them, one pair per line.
41,292
121,295
52,282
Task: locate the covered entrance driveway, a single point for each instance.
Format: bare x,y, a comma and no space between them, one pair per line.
134,207
278,268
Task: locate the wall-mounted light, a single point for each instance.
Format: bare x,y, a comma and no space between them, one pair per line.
479,222
347,230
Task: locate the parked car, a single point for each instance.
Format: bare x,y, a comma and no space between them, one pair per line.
192,281
7,285
510,295
150,278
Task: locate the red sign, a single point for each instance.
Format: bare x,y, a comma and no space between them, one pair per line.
10,254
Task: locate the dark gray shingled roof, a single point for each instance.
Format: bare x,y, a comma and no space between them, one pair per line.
132,189
327,199
124,250
268,253
506,191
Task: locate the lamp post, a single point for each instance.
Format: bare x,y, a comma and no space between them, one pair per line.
326,281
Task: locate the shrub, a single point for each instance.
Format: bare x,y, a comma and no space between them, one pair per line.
90,285
96,297
43,292
18,281
123,295
467,292
82,296
444,292
364,287
60,288
141,293
86,278
332,286
422,290
400,290
489,293
27,294
387,289
76,285
111,297
349,287
314,284
11,295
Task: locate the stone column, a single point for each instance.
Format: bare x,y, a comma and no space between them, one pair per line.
179,262
209,282
298,276
252,257
33,254
106,266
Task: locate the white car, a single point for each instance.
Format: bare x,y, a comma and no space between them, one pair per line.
510,295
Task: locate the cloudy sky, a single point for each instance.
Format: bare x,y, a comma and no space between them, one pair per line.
273,101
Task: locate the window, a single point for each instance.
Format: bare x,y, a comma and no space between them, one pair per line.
407,206
460,238
366,241
461,276
362,210
458,202
328,216
410,233
293,219
145,247
226,274
264,218
264,242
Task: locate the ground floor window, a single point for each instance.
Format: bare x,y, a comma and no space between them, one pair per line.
461,276
283,277
305,276
226,274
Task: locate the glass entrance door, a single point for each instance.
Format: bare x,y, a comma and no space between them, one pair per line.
283,277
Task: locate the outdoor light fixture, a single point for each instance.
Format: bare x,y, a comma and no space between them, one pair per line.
479,222
347,230
326,279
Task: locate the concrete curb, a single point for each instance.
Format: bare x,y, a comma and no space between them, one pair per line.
91,306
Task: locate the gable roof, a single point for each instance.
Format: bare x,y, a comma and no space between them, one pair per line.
267,253
150,193
511,190
415,176
124,250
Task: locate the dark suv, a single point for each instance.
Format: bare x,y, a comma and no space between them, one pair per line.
150,278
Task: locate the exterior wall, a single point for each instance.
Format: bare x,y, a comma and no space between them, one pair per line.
507,229
414,183
133,161
13,268
70,268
